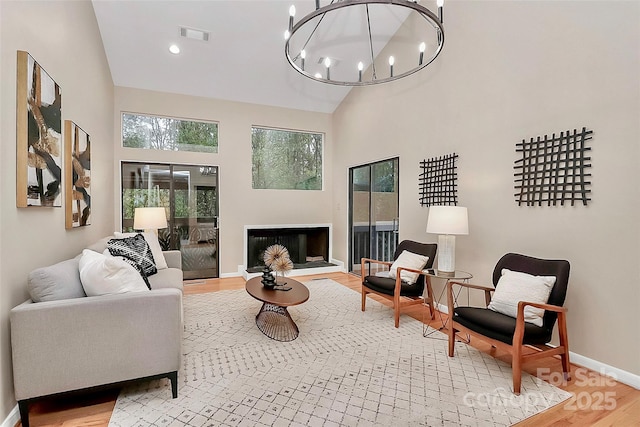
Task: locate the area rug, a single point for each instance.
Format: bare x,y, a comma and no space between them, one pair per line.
347,368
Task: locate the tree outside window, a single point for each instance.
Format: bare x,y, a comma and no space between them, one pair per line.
286,160
165,133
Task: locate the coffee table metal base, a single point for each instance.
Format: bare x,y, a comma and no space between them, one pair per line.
275,322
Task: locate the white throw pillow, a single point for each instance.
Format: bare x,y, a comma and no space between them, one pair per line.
154,245
102,275
408,260
514,287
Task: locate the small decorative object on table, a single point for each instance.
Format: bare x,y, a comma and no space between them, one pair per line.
276,258
268,281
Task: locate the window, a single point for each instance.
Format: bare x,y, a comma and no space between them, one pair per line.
286,160
165,133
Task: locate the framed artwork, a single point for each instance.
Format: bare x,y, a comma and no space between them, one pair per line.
39,123
77,175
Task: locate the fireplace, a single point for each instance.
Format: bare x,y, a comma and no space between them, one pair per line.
308,245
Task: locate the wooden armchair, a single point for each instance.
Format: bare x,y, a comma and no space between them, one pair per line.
399,292
511,334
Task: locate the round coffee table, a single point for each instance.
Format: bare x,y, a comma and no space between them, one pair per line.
273,319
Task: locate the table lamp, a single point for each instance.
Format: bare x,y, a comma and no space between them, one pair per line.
149,219
447,222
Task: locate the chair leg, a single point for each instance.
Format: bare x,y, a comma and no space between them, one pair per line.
397,317
396,309
364,298
516,367
432,310
564,341
452,338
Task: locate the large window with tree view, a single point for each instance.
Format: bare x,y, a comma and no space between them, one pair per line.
166,133
286,160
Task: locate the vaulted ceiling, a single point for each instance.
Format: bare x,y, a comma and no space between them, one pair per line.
242,61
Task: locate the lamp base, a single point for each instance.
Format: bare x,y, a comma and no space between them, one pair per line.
447,253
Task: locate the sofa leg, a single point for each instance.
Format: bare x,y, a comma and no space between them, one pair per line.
23,406
173,377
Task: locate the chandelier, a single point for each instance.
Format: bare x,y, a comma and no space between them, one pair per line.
364,42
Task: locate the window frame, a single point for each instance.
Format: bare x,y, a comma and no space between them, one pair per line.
300,131
162,116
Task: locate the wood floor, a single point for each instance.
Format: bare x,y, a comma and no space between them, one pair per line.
597,401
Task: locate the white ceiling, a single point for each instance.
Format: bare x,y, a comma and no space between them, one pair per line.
243,61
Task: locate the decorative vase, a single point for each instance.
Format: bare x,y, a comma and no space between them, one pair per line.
268,281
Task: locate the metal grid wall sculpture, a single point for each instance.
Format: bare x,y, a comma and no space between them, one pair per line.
439,181
552,170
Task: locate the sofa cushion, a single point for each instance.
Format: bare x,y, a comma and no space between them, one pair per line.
154,245
167,278
103,275
133,264
135,248
56,282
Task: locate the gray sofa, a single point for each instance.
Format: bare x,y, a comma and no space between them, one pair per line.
67,341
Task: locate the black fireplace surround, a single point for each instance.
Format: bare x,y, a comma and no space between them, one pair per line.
306,245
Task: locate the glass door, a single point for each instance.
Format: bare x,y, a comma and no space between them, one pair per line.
373,212
190,196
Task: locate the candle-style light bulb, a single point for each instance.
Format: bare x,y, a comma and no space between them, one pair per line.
303,55
327,63
360,68
440,3
422,48
292,13
392,61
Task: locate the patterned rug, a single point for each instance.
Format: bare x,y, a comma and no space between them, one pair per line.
347,368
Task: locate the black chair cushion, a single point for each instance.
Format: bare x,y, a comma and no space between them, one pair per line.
386,286
499,326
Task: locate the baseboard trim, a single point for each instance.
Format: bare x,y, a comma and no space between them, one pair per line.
12,419
618,374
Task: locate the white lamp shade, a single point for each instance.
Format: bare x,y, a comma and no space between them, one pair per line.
447,220
149,218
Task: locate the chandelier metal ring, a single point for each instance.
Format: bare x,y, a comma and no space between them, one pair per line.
424,13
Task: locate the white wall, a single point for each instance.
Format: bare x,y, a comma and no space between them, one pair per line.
240,205
510,71
63,37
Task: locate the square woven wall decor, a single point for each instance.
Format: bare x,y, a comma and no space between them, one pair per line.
553,170
438,181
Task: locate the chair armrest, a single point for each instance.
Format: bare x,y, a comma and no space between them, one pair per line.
550,307
173,258
518,334
471,285
375,261
364,261
450,301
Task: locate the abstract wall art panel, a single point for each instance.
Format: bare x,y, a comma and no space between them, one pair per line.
439,181
39,144
77,176
553,170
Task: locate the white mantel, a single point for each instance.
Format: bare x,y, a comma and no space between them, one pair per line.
339,267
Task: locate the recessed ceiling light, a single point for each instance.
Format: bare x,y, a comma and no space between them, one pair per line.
174,49
192,33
